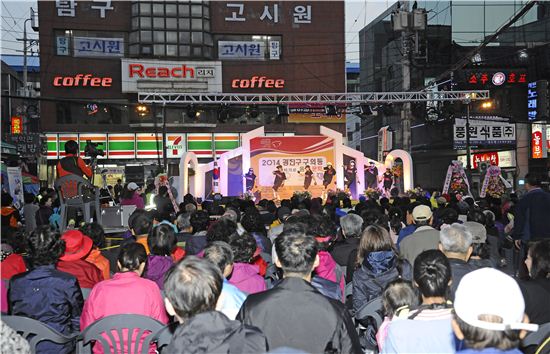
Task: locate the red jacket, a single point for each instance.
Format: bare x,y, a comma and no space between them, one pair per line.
86,273
73,165
12,265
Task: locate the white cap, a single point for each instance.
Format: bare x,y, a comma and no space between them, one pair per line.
132,186
487,291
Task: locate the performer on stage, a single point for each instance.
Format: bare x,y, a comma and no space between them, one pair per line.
329,174
371,176
308,177
279,181
350,173
250,178
387,180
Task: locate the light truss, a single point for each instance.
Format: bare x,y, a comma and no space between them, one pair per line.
354,98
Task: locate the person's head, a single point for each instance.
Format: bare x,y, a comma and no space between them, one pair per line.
279,167
432,274
199,221
133,187
422,215
476,215
221,230
308,168
252,221
296,254
45,246
538,259
374,239
251,170
141,223
351,225
162,240
163,191
46,200
71,147
192,286
94,231
399,294
183,223
243,246
489,311
29,198
456,241
282,213
221,254
118,181
448,215
132,258
532,180
6,199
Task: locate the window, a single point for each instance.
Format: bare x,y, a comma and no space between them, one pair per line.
158,37
196,24
183,10
159,50
75,113
158,22
158,9
196,10
172,37
172,50
196,37
146,36
145,22
171,10
144,8
172,23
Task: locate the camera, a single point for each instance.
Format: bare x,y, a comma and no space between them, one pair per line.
92,151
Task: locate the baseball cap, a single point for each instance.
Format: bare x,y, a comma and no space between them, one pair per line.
488,291
478,231
132,186
422,212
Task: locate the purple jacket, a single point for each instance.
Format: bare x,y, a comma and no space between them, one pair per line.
156,267
136,200
245,277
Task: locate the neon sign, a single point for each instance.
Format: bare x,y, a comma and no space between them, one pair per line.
158,72
258,82
82,80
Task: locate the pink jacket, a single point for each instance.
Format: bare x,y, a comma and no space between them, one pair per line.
124,293
327,269
136,200
245,277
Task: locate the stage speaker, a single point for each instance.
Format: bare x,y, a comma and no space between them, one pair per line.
134,174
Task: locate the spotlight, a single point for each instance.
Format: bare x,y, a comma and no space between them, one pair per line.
253,111
487,105
366,110
192,112
142,110
331,110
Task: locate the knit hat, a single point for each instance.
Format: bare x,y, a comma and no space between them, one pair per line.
490,292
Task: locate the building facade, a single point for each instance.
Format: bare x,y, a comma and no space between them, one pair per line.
96,56
514,59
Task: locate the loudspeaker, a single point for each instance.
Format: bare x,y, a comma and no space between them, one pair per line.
134,174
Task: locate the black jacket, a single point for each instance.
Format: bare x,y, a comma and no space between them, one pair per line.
295,315
341,250
213,332
536,294
532,221
459,268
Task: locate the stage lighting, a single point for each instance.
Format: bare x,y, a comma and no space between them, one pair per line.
331,110
142,110
223,113
282,110
253,111
366,110
192,112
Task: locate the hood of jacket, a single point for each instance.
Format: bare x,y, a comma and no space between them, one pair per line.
326,266
379,262
207,332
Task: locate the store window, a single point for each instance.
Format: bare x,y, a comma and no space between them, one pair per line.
91,113
181,28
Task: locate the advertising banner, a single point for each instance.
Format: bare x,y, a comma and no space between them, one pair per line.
121,146
503,159
15,181
539,147
293,153
175,145
314,113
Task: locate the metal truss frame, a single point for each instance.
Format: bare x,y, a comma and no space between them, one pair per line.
354,98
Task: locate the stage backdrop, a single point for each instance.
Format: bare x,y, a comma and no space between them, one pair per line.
293,153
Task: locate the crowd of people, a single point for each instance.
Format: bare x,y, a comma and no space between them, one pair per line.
438,274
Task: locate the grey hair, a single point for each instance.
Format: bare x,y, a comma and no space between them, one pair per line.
351,225
182,221
219,253
455,238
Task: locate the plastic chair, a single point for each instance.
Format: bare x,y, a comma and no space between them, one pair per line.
101,332
35,331
71,191
164,336
538,337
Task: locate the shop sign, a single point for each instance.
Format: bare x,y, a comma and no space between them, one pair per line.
491,157
175,145
503,159
496,78
16,125
171,76
483,133
258,82
301,14
532,98
274,50
241,50
67,8
98,47
62,45
27,145
539,147
82,80
314,113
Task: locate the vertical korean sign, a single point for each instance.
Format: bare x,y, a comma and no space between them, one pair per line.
16,125
539,148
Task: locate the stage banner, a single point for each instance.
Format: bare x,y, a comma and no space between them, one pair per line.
293,153
314,112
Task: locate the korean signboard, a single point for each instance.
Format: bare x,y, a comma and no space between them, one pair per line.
67,8
483,133
28,145
537,100
241,50
16,125
271,13
314,113
98,47
539,145
62,45
495,77
171,76
532,96
503,159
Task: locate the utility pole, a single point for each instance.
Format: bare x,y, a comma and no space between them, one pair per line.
406,111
